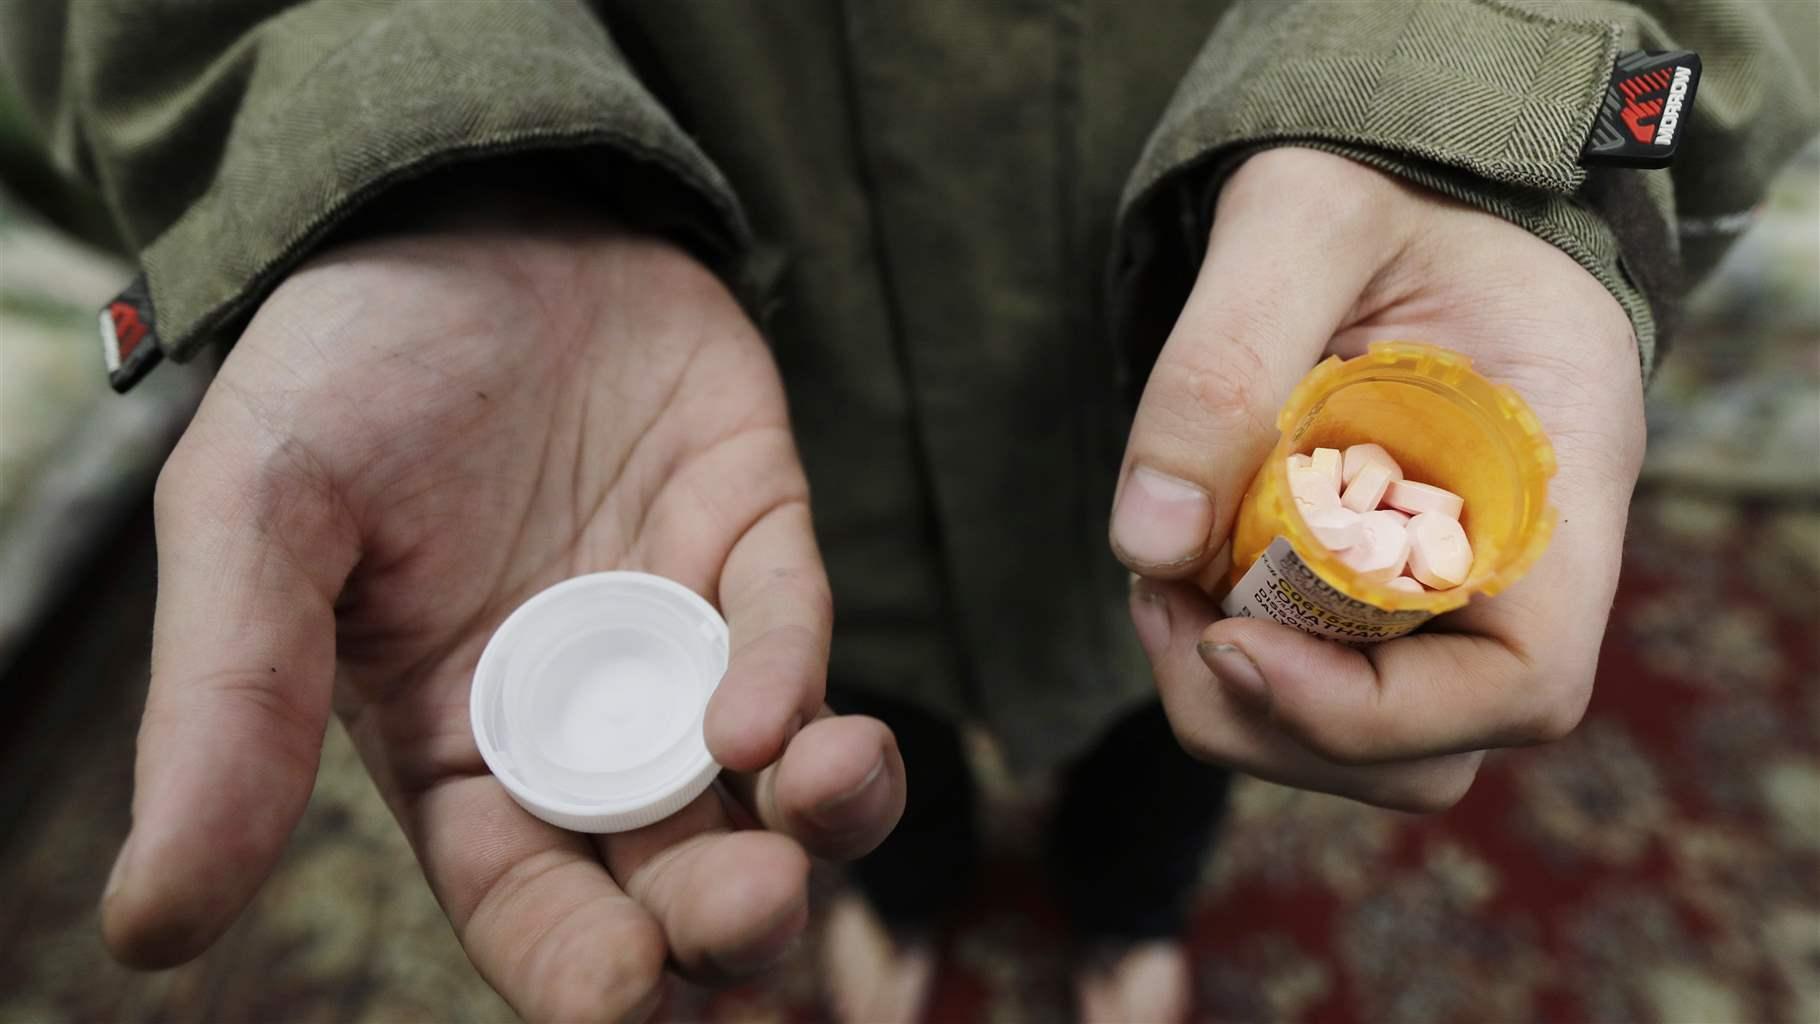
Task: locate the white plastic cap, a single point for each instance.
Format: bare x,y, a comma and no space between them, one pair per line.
587,703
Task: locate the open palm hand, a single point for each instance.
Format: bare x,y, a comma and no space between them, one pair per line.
415,434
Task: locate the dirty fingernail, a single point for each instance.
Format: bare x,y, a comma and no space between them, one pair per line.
1237,672
1160,520
1150,615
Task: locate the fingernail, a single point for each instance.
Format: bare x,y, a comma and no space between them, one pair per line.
118,872
1160,520
1237,672
835,813
1150,615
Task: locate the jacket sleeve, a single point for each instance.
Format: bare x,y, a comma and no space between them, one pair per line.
1489,101
228,137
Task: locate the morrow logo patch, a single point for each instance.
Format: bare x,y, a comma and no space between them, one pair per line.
1647,103
129,335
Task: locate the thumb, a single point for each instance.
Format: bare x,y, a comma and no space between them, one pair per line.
243,661
836,784
1288,258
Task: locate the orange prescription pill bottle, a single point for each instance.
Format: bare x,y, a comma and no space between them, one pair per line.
1446,425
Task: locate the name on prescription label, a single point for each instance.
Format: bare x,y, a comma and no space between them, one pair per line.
1281,587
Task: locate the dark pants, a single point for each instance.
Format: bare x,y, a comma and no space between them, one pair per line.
1133,820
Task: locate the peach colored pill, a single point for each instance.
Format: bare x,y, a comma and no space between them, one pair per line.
1359,456
1417,498
1299,459
1367,489
1336,528
1407,584
1439,554
1380,554
1328,461
1402,516
1311,489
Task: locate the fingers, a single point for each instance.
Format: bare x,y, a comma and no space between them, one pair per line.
839,788
1288,259
729,903
717,903
775,596
1422,695
251,554
836,785
539,916
1505,671
1214,724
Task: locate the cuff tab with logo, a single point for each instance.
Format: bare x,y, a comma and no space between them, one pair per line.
1646,110
129,337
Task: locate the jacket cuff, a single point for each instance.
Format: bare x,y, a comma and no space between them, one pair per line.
1414,76
1412,88
408,89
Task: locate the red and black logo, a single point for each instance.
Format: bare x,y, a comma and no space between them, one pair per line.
1649,102
1644,96
129,336
129,330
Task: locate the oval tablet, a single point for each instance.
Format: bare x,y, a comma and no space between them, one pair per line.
1336,528
1328,461
1367,489
1439,554
1312,489
1359,456
1417,498
1382,551
1407,585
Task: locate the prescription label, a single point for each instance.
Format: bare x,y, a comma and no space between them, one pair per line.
1281,587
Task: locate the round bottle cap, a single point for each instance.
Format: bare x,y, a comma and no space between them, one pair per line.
587,703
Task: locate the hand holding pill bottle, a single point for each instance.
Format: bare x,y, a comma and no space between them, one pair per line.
1313,322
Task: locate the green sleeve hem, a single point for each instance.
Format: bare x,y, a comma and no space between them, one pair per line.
1505,93
411,88
1479,100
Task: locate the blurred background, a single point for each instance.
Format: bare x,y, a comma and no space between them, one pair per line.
1662,863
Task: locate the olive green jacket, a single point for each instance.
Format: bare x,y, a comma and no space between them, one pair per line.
963,226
